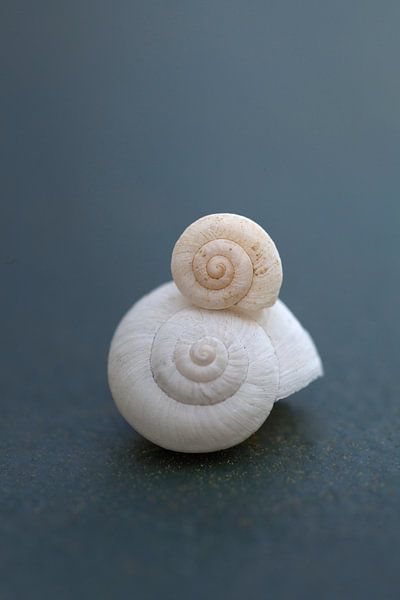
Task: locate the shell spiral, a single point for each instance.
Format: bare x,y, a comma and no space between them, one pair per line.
226,260
189,379
195,380
203,359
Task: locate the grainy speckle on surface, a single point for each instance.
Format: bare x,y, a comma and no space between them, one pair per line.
124,122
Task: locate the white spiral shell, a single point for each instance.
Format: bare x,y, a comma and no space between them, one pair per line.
193,380
226,260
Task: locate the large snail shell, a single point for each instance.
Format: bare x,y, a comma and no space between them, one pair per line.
226,260
193,380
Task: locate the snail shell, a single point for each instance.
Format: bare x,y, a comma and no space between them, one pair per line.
193,380
226,260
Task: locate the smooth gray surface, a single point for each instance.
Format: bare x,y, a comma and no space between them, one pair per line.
122,122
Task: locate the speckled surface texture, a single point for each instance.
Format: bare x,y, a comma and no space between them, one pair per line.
123,122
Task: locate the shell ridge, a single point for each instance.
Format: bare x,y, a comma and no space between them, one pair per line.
196,380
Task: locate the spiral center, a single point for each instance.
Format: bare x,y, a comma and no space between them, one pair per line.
217,266
201,357
215,262
202,354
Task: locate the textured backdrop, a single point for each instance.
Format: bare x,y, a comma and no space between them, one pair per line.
122,122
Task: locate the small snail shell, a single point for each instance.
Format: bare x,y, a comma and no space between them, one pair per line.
226,260
193,380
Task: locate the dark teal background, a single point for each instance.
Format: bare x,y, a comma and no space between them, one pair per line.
121,123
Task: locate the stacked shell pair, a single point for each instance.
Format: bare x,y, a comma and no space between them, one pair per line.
197,364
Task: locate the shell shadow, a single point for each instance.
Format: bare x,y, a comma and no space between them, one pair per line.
219,491
286,435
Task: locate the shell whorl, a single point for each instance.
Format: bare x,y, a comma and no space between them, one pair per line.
193,380
203,358
190,379
226,260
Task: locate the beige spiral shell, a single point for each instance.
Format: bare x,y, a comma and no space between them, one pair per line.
195,380
226,260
